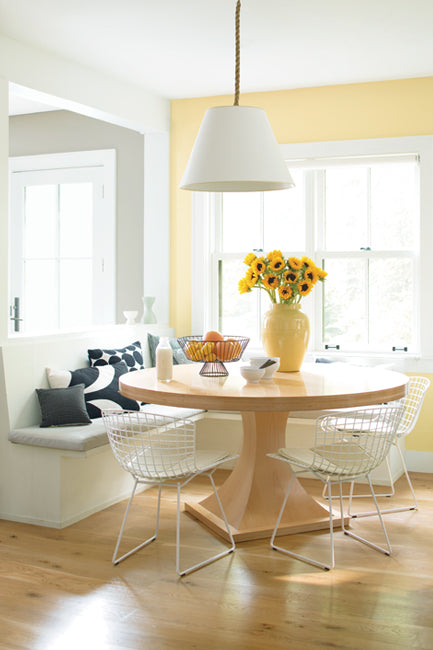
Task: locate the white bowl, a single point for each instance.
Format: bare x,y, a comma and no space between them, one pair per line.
251,375
256,362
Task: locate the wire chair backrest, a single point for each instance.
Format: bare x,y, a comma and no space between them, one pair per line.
354,443
417,387
152,446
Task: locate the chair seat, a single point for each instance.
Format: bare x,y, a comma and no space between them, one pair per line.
317,460
144,465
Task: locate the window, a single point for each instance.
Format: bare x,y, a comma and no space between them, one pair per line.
62,241
360,210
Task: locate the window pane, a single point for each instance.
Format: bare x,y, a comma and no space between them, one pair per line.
238,314
76,218
241,221
40,215
344,304
394,212
284,217
346,208
75,293
391,313
40,295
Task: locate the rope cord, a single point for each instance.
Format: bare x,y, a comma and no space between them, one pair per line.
237,52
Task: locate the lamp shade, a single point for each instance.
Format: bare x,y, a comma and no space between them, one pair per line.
236,151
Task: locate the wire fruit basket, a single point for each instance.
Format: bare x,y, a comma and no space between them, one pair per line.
213,353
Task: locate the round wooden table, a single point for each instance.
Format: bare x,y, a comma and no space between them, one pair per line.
253,492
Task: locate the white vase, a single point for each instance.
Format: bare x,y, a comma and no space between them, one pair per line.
148,315
130,317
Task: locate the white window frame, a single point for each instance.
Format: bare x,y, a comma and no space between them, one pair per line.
104,224
204,307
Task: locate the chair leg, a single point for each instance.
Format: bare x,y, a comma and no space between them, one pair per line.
387,551
401,509
303,558
227,551
116,559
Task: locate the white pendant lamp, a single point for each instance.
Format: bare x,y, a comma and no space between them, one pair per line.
235,149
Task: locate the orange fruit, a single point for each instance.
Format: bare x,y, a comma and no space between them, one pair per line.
237,348
212,335
224,350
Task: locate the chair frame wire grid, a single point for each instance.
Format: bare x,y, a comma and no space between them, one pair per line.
158,450
347,446
412,403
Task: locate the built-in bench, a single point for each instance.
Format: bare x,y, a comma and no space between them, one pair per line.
56,476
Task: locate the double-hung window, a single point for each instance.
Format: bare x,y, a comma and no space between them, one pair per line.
360,210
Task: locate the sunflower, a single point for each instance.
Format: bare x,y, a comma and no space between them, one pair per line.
258,265
243,286
273,254
307,262
276,264
304,287
251,277
290,276
294,263
270,281
249,259
285,292
312,274
285,280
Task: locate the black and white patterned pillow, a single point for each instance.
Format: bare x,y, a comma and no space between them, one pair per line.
132,355
101,387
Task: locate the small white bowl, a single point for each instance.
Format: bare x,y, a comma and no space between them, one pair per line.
256,362
251,375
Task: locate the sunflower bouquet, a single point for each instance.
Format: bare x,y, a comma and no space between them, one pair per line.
286,280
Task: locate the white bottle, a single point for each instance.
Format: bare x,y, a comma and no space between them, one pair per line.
164,360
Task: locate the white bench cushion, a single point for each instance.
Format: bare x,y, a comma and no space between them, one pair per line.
75,438
87,436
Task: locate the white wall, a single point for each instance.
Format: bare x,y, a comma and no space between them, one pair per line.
64,131
81,89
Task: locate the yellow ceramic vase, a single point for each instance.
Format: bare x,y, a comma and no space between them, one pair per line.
285,334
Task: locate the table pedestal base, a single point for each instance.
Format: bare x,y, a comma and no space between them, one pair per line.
253,493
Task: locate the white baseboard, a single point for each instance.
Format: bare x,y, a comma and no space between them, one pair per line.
419,461
48,523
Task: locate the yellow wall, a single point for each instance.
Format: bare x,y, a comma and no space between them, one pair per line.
348,112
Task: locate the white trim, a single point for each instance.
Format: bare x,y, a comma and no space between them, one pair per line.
419,461
418,144
200,268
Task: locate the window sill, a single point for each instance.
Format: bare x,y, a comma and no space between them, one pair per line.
406,363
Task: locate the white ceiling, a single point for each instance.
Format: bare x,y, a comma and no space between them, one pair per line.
185,48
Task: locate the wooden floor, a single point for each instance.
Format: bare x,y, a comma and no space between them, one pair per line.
59,590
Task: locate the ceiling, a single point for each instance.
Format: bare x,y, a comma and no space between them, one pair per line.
185,48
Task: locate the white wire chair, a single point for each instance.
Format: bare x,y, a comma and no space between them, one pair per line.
347,446
160,450
412,403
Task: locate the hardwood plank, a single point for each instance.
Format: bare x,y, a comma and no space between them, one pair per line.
59,589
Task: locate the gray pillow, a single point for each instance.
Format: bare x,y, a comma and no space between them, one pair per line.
62,406
179,355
